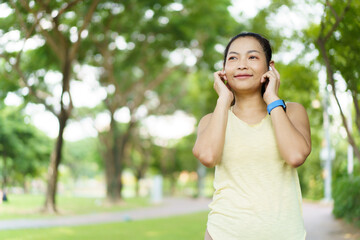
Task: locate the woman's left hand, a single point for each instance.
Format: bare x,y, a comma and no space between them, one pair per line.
271,79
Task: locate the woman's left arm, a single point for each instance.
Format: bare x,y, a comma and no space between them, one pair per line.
292,131
292,128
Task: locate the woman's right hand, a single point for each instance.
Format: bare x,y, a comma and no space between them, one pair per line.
210,139
224,91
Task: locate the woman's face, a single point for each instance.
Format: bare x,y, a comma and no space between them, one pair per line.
245,64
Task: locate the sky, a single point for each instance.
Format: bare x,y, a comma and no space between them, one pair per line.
88,92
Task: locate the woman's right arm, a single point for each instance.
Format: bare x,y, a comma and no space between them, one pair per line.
210,140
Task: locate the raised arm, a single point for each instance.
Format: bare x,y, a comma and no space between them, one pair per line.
292,131
211,130
292,128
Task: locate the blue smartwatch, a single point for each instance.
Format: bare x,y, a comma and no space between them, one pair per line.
275,104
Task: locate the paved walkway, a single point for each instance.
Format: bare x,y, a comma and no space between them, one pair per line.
319,222
171,206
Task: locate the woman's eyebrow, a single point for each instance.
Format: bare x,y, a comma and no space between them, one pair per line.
234,53
250,51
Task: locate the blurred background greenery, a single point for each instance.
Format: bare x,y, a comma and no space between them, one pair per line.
98,97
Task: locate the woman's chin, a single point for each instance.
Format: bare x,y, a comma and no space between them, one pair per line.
246,89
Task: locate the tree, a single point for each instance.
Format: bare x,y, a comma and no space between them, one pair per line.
82,158
138,157
335,40
23,148
61,25
133,51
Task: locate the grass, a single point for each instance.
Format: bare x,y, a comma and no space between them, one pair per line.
188,227
28,206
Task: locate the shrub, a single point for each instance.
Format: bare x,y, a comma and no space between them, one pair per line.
346,196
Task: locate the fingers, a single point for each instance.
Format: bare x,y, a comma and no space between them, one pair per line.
272,65
220,81
271,74
268,76
272,83
220,76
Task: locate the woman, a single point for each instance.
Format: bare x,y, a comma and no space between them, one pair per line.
255,142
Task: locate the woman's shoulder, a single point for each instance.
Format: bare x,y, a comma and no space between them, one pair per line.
294,106
206,118
295,109
204,121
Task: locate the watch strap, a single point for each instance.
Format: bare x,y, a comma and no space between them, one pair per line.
275,104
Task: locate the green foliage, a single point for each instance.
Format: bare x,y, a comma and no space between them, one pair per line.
341,61
197,27
83,158
24,150
155,29
347,199
343,46
201,97
8,81
183,155
311,178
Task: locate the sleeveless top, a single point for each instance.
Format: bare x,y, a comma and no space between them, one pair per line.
257,194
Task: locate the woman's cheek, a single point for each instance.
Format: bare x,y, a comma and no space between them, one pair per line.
229,68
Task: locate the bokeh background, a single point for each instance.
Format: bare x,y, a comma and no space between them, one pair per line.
99,103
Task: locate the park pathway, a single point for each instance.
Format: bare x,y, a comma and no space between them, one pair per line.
170,207
319,222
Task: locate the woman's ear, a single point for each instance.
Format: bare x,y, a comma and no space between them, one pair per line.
271,63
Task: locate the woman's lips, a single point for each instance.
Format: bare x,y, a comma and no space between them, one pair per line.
243,76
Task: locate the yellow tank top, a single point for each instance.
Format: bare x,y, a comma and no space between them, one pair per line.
257,194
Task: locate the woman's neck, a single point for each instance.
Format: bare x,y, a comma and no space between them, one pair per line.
247,104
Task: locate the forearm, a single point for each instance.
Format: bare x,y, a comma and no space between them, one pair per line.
293,146
210,142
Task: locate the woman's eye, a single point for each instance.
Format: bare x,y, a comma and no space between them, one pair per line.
253,57
231,58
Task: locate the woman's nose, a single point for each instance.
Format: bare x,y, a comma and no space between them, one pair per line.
242,64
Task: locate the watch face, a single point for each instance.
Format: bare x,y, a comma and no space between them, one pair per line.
284,105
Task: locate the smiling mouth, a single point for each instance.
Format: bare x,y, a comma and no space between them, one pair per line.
243,76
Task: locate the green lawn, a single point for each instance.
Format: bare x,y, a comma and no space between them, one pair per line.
28,206
189,227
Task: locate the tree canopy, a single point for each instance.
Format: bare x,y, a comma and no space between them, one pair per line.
153,58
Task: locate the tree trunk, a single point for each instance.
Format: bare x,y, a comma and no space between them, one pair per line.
4,172
26,186
140,174
173,181
114,160
330,77
137,186
55,159
112,165
113,190
141,170
357,109
109,163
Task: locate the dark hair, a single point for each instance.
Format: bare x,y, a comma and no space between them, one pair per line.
263,42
